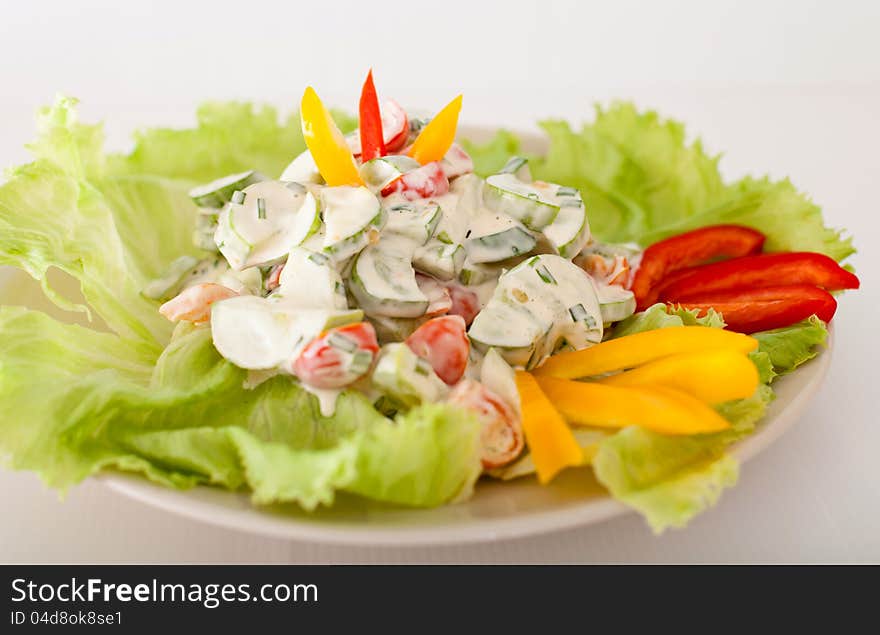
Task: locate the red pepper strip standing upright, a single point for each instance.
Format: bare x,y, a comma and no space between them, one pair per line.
764,270
372,143
749,311
688,249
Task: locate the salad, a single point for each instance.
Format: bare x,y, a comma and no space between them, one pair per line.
373,307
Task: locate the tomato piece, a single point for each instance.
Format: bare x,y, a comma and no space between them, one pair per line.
424,182
457,162
764,270
338,356
749,311
465,303
689,249
501,437
372,141
395,125
443,343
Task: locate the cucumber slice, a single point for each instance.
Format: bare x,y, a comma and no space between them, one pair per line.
519,167
308,280
353,218
417,221
494,237
497,375
171,281
203,234
383,280
406,377
570,230
262,223
473,273
257,333
381,172
216,194
390,329
534,205
538,306
439,259
615,302
303,169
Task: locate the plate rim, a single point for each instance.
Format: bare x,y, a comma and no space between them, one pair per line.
251,520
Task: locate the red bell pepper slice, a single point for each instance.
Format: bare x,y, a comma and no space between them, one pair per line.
763,270
686,250
372,142
749,311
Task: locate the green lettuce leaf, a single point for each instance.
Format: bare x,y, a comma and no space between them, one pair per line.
670,479
101,402
642,182
790,346
491,156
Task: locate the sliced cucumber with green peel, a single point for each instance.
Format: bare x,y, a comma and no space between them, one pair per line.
416,220
303,169
615,302
439,259
379,173
473,273
310,281
494,237
262,222
538,306
170,282
353,218
391,329
384,282
216,194
570,230
519,167
203,234
497,375
406,377
535,205
258,333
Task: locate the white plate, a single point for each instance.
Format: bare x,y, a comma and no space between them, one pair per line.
496,511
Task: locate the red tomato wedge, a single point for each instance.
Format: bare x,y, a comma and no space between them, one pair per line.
749,311
764,270
689,249
372,141
337,357
424,182
443,343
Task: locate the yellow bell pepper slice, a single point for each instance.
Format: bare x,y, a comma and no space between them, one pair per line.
437,137
553,446
326,143
711,376
634,350
662,410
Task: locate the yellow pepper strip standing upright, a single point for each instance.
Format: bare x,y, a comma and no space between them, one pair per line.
551,442
326,143
435,139
711,376
656,408
635,350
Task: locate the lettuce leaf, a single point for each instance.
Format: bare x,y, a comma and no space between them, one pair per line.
143,398
642,182
670,479
790,346
98,402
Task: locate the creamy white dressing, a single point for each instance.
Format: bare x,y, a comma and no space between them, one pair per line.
346,236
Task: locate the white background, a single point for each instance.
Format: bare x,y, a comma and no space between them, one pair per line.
789,88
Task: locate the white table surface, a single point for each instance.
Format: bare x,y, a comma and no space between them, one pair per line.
790,94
